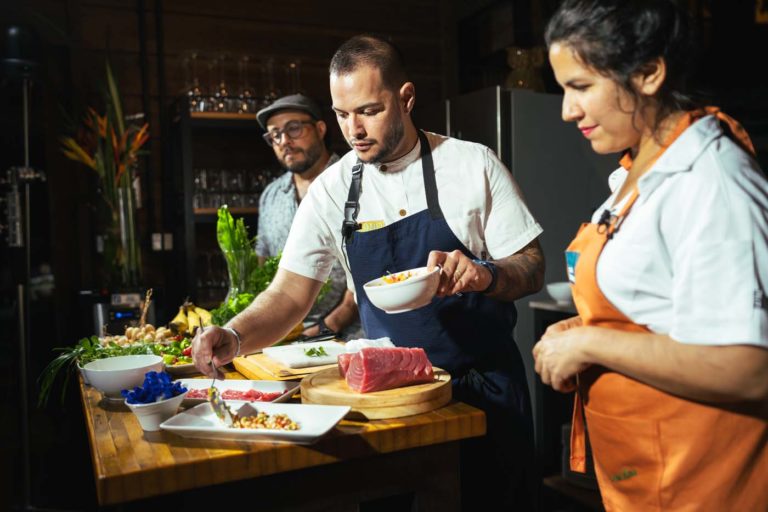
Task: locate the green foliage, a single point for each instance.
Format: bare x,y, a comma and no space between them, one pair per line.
86,350
231,307
247,277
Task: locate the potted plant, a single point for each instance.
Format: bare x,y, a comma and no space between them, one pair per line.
108,145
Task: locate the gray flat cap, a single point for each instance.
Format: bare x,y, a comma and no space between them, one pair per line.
292,102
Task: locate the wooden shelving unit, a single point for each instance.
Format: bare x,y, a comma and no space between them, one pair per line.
208,140
226,116
233,211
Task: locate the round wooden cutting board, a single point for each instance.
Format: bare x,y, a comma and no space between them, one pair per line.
327,387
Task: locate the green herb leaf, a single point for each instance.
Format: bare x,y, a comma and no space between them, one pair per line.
315,352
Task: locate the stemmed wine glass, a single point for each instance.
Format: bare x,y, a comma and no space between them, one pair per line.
270,90
193,89
293,76
247,97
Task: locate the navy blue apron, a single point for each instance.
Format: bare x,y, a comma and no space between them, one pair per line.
470,335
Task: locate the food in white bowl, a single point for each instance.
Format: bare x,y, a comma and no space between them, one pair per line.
403,291
561,292
151,415
113,374
157,400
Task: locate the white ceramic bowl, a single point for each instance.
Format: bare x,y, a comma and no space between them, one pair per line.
151,415
113,374
561,292
413,293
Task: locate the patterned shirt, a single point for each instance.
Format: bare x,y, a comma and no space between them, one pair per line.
277,206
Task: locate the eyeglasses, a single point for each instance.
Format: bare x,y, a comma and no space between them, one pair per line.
293,129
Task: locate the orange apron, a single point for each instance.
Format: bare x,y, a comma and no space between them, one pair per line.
653,450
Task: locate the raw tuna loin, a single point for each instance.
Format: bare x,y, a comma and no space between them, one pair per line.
376,369
344,360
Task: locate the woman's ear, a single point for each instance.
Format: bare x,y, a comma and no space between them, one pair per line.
408,96
650,77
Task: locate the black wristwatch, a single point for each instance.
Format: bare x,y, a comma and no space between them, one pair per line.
494,275
324,329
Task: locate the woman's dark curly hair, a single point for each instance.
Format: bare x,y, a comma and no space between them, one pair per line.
617,38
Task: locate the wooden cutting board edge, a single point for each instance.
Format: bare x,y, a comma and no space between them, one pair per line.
328,387
398,411
265,368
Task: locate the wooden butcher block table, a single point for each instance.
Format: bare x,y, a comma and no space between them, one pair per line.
357,462
327,387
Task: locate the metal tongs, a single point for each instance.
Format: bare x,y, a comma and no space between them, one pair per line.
218,405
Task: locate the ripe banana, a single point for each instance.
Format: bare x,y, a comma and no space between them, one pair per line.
205,315
180,323
194,320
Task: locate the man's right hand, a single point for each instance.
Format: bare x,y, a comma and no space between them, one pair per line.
267,319
216,344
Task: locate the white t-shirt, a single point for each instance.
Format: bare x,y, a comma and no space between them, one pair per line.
691,258
481,203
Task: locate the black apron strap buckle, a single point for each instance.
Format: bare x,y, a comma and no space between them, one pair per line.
352,205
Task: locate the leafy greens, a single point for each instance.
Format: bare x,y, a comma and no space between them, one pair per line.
86,350
247,277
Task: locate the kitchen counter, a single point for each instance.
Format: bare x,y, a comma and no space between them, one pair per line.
357,461
551,305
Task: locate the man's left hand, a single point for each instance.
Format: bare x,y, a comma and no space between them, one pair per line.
459,273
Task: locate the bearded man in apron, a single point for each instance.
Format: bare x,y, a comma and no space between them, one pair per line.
404,199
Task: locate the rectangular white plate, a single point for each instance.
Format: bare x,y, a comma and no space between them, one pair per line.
314,421
294,356
287,388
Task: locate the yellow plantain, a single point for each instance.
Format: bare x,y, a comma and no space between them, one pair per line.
180,323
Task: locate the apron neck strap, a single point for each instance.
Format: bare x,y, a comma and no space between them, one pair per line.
352,205
430,184
610,224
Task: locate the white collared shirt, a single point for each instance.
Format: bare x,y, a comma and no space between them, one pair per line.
478,196
691,258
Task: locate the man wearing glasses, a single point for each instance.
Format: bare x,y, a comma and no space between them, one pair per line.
295,130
